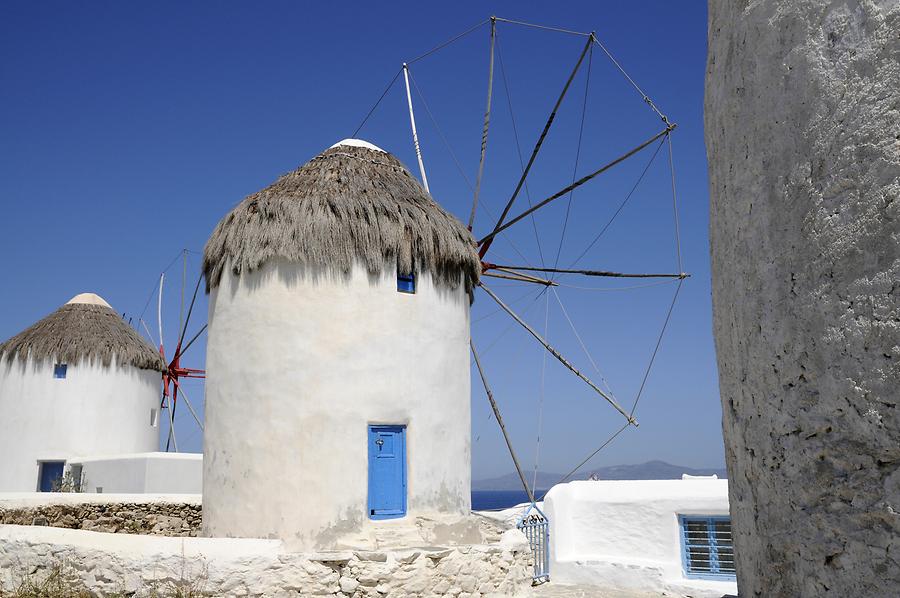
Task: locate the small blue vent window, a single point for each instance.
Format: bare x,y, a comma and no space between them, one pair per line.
59,370
406,283
706,547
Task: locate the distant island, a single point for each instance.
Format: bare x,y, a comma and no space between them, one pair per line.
651,470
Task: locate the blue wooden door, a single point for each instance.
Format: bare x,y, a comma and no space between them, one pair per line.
387,472
51,473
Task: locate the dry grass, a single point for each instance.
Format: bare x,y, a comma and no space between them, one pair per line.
55,585
79,331
345,205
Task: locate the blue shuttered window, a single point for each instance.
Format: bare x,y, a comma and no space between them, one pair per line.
706,547
59,370
406,283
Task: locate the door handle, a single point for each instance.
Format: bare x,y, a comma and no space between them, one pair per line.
379,442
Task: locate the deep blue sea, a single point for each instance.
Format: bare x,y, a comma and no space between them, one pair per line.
489,500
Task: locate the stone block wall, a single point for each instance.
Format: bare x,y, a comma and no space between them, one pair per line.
802,125
156,518
137,565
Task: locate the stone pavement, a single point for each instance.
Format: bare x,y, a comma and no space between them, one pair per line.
555,590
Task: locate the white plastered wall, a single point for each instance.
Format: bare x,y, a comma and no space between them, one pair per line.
625,534
95,409
154,473
299,363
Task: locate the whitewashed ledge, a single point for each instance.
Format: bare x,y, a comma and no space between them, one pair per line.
141,565
24,500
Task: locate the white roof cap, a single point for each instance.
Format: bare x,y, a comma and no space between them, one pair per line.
89,299
358,143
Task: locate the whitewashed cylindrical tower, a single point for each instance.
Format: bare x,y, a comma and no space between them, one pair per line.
80,382
337,389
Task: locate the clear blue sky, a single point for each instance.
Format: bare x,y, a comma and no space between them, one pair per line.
128,131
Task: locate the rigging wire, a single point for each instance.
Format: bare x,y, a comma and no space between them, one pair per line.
487,122
456,161
381,97
614,289
644,96
544,27
512,118
486,242
587,86
156,286
675,206
448,42
656,348
540,421
591,456
583,345
621,206
512,324
440,132
531,290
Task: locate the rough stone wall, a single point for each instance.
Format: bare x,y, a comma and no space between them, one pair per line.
155,518
803,139
153,566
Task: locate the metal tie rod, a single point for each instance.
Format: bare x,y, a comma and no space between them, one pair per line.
559,357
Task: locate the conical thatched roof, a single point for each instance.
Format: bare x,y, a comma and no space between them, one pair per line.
84,328
352,202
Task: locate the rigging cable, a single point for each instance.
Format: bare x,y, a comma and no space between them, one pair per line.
450,151
656,348
544,27
644,96
675,206
621,206
512,118
381,97
587,86
487,122
448,42
486,242
540,421
581,342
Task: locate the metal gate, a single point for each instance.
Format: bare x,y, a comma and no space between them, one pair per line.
534,524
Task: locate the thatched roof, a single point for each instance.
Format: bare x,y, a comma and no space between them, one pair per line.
352,202
84,328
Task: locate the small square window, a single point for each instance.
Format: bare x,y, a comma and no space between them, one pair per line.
406,283
59,370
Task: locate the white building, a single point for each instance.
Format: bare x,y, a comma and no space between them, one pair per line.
337,389
141,473
658,536
80,382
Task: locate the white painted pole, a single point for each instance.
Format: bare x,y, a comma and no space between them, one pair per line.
412,122
162,278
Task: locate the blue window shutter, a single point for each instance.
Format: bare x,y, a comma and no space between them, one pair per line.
706,547
59,370
406,283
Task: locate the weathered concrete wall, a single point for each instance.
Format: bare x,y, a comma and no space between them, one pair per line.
802,129
117,564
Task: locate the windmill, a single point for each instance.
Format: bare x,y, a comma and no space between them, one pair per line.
175,373
532,521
